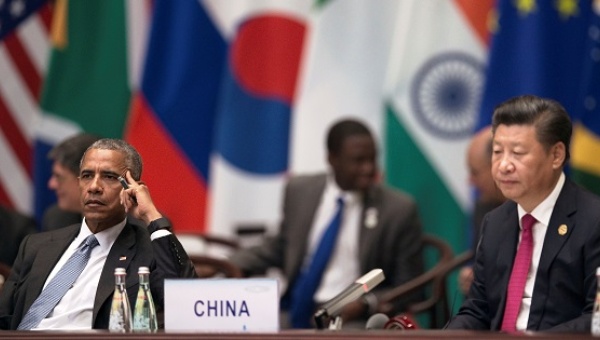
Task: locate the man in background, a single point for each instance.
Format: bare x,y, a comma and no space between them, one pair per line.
479,162
378,228
66,157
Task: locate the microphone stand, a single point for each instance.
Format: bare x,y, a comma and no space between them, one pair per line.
321,317
331,309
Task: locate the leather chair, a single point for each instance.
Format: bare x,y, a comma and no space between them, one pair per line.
206,263
207,266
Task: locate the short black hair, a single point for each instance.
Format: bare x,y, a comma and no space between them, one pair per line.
342,130
69,152
550,119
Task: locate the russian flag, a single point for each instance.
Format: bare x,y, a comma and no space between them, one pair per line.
172,115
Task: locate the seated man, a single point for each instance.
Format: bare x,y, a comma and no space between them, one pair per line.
535,267
380,228
113,240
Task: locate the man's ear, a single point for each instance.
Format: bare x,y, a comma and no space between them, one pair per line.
559,153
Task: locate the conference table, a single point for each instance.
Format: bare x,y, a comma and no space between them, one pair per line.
291,334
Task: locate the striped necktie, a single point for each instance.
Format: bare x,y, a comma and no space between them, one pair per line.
59,285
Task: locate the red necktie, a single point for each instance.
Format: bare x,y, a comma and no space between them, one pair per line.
518,276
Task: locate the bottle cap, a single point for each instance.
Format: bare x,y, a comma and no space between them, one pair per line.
143,270
120,271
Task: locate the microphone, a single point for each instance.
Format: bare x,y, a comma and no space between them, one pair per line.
377,321
401,322
364,284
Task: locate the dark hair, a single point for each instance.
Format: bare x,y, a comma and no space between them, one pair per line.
133,160
342,130
70,151
551,120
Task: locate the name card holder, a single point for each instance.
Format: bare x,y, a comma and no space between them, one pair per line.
222,305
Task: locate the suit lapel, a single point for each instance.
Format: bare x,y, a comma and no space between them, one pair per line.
120,255
311,199
46,258
553,242
508,240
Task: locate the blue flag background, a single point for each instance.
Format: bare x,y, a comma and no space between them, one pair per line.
536,50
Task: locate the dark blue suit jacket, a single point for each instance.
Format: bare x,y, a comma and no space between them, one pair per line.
565,284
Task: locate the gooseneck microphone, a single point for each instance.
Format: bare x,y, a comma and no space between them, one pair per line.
333,307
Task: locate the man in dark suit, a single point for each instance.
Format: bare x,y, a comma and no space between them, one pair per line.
380,226
105,204
558,288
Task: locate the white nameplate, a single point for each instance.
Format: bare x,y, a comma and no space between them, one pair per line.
222,305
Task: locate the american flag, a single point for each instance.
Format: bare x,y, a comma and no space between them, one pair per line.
24,51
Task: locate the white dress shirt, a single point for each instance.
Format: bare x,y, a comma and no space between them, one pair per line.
74,311
542,213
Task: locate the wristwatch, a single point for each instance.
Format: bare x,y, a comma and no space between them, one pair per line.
158,224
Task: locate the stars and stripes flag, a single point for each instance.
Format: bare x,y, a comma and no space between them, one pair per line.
24,47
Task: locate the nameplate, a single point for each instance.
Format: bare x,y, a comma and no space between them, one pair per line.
222,305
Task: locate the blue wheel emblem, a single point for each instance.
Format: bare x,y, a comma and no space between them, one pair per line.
446,93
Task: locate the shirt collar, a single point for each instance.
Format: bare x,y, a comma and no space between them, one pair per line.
543,211
333,190
106,237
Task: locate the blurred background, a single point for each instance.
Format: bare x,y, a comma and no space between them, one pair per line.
226,98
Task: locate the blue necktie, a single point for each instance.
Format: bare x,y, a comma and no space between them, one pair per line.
59,285
302,304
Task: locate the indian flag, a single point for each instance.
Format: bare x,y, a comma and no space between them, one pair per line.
432,95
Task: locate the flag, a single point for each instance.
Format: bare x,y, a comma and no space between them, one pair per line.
332,64
212,116
538,48
250,158
24,31
93,68
547,49
344,68
172,118
431,107
585,166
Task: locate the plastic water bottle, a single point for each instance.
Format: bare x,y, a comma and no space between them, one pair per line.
120,311
596,311
144,314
